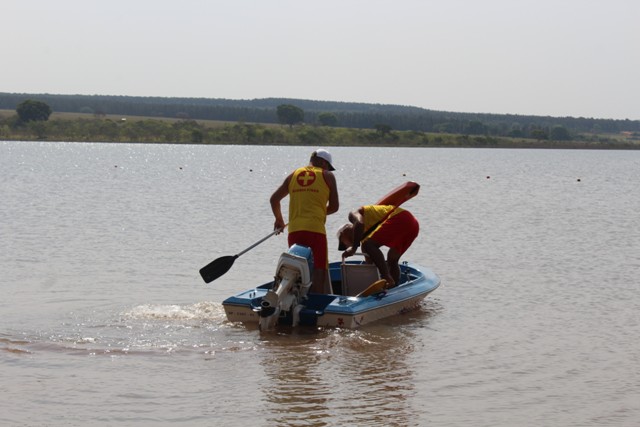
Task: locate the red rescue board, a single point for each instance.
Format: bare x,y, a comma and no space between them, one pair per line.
400,194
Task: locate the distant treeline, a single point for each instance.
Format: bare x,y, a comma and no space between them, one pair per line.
347,114
193,132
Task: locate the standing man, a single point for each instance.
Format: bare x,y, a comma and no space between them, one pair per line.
313,194
374,226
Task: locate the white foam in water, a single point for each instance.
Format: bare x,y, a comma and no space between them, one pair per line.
197,311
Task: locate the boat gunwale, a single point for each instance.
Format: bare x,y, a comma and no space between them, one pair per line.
352,305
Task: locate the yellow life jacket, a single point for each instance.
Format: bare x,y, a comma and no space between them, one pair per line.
308,197
375,213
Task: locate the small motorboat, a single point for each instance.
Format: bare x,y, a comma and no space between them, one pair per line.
358,296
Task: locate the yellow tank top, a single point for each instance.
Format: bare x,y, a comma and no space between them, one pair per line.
375,213
308,197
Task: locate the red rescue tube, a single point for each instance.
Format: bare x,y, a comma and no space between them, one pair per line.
400,194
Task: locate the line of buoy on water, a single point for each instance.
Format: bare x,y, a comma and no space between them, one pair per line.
404,174
578,179
115,166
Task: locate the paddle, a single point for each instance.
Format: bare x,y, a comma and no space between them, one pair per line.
219,266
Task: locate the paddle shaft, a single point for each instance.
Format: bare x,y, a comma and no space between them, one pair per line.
220,266
257,243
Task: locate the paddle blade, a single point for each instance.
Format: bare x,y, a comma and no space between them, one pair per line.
217,268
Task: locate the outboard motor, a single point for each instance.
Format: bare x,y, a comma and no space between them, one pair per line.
290,287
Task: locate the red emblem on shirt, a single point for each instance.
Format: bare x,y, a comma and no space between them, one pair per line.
306,178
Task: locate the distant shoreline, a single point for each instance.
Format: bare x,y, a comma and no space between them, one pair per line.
78,127
514,146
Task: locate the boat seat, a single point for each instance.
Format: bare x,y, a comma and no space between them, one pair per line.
357,277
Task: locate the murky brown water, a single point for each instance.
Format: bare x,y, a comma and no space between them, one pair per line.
107,322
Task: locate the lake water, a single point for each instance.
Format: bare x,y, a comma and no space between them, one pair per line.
106,321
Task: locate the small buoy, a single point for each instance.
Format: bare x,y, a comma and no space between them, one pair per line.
115,166
404,174
250,170
180,167
578,179
488,177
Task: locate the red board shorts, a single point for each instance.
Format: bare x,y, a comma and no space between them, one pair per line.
318,244
398,232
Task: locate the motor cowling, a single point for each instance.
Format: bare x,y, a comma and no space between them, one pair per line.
292,282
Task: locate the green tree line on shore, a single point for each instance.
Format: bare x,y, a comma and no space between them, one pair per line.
342,114
94,128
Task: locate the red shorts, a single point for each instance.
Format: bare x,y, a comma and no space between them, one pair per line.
318,244
398,232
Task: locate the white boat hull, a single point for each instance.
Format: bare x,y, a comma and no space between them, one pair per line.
335,310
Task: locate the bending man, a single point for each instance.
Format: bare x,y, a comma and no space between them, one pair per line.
374,226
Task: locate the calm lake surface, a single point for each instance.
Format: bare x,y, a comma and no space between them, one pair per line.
106,321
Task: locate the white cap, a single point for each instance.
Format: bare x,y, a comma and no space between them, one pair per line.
325,155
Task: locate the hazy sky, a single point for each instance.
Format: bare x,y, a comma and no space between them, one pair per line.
576,58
